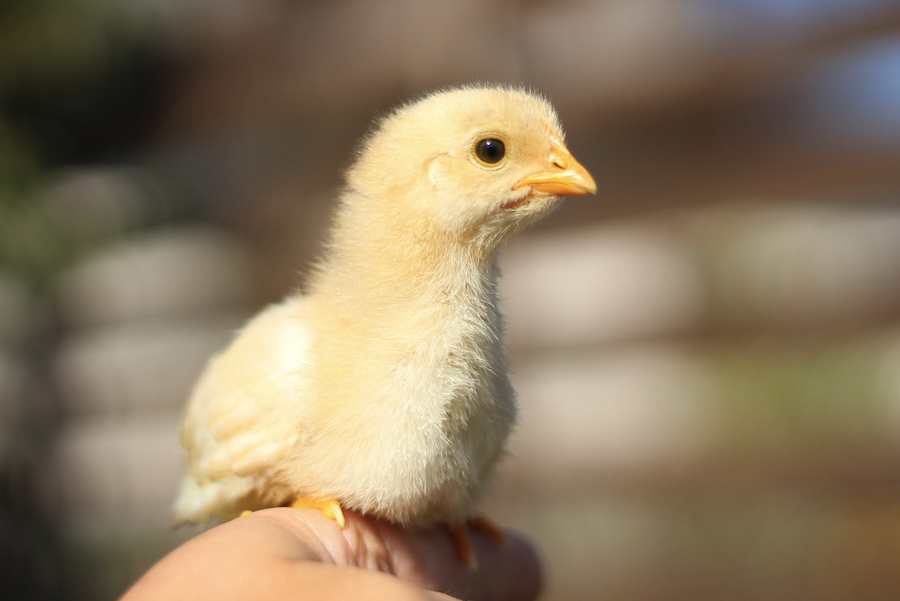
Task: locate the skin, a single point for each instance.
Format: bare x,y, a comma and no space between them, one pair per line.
282,553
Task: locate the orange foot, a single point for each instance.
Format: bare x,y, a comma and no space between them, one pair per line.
463,542
330,507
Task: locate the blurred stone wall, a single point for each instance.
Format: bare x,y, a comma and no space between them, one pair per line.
707,354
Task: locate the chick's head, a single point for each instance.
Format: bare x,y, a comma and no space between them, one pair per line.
474,162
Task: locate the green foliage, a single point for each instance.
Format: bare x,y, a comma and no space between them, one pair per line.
68,74
46,43
800,397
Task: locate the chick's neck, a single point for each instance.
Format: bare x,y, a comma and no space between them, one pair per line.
374,267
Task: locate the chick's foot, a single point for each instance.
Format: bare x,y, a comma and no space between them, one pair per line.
330,507
489,527
465,551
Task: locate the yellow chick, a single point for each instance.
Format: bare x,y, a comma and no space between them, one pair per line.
384,388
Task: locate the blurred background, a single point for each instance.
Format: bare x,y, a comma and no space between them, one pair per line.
707,354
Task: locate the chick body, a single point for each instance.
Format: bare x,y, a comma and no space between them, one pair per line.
386,385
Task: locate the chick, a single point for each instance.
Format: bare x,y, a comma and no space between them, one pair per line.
384,389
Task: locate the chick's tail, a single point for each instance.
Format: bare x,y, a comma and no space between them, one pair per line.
199,503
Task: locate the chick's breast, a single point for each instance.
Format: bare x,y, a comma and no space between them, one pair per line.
405,428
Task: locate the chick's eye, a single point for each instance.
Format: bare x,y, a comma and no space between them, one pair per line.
490,150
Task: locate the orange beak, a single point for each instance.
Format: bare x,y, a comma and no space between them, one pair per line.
564,176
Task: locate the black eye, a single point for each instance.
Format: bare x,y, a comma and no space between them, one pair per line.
490,150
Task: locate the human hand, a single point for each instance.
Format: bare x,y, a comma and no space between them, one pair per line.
284,553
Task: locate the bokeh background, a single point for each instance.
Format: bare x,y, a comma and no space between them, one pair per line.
707,353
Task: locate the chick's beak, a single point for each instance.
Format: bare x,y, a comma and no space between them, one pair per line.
564,175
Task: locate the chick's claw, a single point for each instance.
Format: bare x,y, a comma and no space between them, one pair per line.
330,507
463,543
486,525
465,550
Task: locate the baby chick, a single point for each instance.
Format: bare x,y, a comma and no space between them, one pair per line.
384,389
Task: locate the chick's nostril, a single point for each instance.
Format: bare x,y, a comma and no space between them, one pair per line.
558,160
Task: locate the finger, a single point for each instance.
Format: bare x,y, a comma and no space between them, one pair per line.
429,558
271,554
